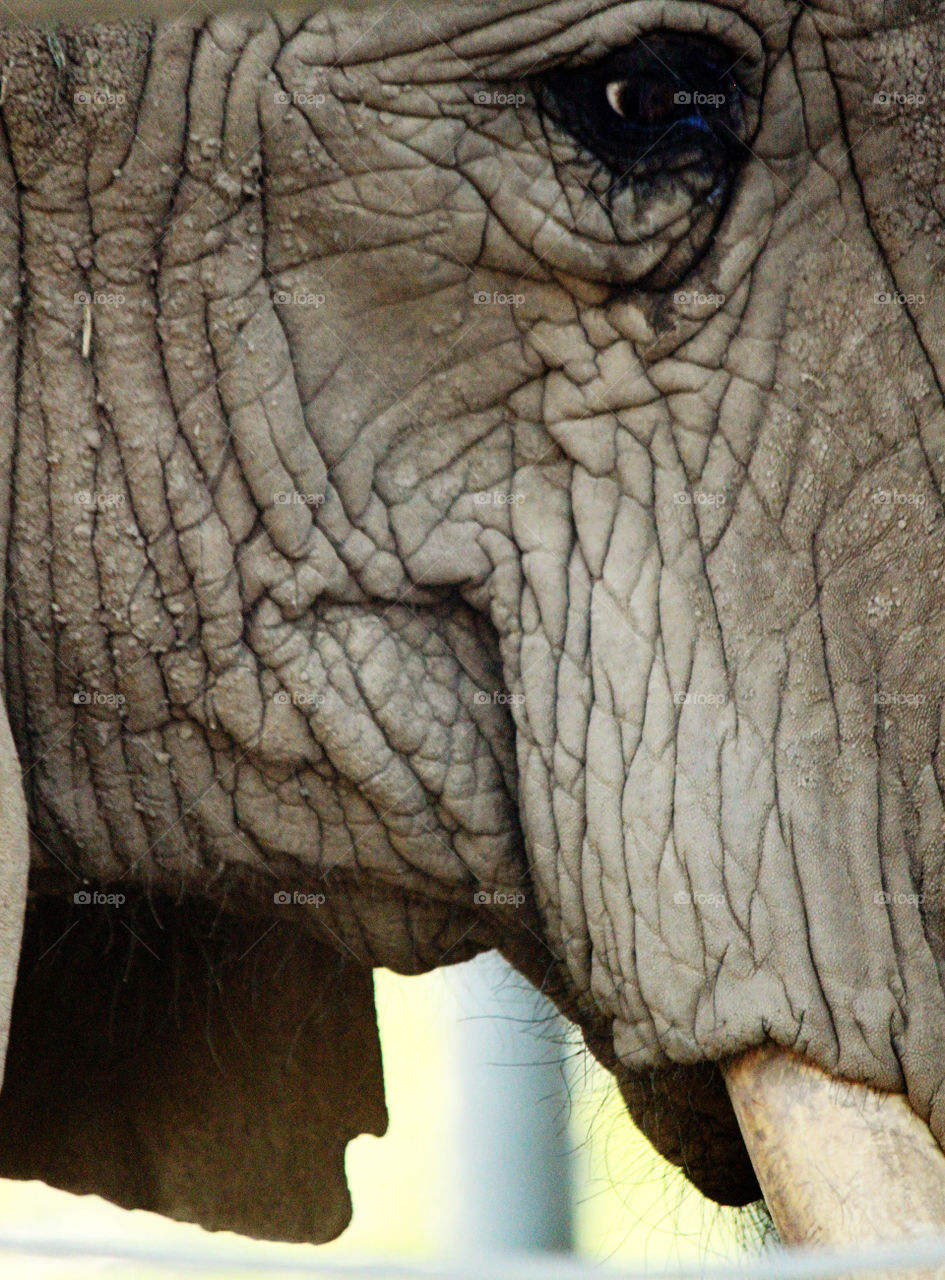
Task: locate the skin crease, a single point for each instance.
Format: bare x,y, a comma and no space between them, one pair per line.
392,521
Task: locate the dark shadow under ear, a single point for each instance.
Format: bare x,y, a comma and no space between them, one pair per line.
204,1066
686,1114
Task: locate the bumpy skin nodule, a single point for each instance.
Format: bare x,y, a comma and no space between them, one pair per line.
380,528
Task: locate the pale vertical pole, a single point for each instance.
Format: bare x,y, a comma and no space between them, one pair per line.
513,1187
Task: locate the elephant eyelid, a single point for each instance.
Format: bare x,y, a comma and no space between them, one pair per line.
667,102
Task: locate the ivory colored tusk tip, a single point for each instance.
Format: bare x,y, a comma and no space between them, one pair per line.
838,1163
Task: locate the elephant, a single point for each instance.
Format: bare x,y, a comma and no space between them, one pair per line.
471,480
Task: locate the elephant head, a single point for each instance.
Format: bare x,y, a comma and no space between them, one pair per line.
475,480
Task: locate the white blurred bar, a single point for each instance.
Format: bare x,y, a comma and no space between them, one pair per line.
791,1264
513,1148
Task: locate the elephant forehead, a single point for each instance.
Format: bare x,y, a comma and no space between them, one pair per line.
520,20
452,19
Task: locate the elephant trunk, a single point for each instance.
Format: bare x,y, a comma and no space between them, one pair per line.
839,1163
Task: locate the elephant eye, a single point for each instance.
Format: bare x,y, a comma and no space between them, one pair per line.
667,102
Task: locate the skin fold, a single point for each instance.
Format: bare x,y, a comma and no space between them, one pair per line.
406,516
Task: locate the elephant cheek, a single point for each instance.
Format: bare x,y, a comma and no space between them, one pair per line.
723,841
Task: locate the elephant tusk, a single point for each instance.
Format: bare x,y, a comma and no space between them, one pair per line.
838,1163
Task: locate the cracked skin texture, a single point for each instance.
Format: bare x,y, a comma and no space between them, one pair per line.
325,575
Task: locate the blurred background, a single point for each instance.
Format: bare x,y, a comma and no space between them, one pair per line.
504,1134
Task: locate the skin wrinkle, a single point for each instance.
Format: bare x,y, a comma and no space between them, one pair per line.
101,660
936,487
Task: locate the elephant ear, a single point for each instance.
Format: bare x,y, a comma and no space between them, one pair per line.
199,1065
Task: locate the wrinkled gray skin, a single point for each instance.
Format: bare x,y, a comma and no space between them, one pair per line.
626,595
